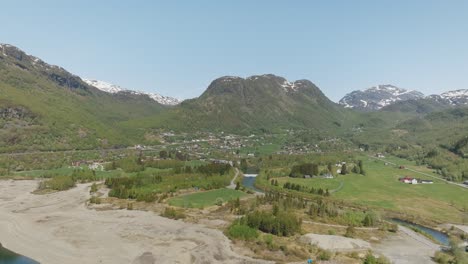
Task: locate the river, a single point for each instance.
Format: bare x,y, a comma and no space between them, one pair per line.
9,257
249,182
438,236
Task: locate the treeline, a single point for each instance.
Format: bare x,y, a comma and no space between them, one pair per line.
299,171
276,223
302,188
65,182
208,169
440,159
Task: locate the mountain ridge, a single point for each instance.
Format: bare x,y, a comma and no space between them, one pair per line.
114,89
390,97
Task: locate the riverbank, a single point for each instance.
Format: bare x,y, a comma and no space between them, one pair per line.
59,228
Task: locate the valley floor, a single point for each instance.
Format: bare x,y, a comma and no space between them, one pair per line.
59,228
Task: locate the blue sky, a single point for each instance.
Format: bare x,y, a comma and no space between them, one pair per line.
177,48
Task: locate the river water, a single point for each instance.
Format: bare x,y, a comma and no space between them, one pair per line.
249,182
438,236
9,257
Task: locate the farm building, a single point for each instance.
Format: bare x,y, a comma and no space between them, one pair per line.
408,180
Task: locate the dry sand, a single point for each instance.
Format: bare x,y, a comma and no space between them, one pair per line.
336,243
59,228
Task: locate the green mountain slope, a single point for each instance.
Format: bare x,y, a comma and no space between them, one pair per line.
47,108
256,103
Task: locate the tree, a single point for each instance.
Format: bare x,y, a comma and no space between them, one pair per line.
330,168
356,169
361,167
163,154
344,170
370,219
237,186
243,165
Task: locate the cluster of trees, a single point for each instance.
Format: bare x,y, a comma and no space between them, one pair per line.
298,171
359,168
128,164
164,154
130,187
302,188
58,183
321,208
84,175
276,223
65,182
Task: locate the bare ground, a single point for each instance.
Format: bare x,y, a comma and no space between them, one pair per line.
59,228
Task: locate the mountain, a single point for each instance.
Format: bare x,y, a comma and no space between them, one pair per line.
377,97
260,102
431,103
45,107
453,98
113,89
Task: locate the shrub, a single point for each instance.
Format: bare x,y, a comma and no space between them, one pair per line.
58,183
325,255
442,258
219,201
93,188
95,200
173,213
350,231
240,231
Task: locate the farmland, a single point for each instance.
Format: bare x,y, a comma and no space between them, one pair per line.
208,198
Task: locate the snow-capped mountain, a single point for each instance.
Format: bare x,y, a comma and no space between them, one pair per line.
379,96
456,97
112,88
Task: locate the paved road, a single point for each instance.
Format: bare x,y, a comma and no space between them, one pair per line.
423,173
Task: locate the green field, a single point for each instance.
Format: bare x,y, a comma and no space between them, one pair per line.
440,201
203,199
381,190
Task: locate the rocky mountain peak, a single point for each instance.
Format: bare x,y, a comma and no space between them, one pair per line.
376,97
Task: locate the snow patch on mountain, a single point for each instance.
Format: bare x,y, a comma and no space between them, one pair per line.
112,88
456,97
376,97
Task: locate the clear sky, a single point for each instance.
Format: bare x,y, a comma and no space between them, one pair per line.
177,48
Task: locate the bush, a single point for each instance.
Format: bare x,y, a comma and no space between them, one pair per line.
95,200
325,255
58,183
240,231
370,219
371,259
350,231
442,258
173,213
219,201
93,188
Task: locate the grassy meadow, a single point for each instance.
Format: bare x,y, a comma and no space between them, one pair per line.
380,189
208,198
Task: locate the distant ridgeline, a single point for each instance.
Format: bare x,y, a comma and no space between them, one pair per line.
44,107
